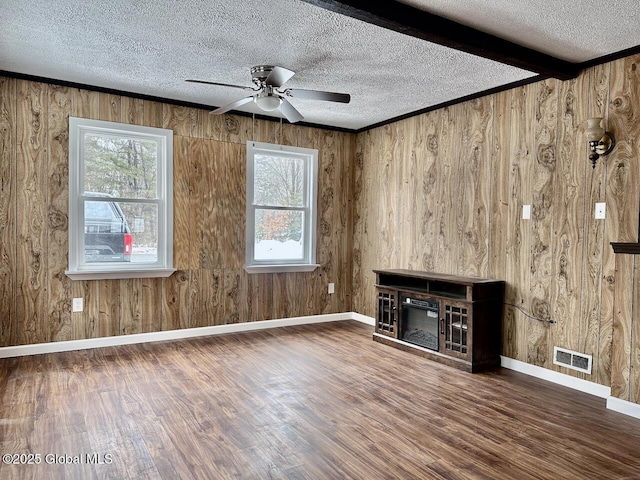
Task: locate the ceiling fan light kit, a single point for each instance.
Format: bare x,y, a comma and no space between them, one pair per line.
267,102
268,80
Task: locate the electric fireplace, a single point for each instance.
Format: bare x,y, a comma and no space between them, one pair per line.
451,319
420,322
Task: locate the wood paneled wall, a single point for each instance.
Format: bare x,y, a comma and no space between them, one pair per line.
441,191
210,286
444,192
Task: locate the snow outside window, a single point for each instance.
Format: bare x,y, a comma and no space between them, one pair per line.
120,200
281,208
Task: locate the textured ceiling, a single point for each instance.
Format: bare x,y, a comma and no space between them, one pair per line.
151,46
573,30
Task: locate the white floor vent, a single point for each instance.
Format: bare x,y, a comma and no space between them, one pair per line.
573,360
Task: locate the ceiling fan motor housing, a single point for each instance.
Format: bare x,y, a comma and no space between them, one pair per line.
268,80
259,73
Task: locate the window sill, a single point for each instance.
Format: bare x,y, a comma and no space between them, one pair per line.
119,274
306,267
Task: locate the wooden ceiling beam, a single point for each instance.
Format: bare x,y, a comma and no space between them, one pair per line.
417,23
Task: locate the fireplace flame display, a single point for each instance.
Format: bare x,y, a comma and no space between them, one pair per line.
420,322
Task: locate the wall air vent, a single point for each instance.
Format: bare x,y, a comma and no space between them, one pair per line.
573,360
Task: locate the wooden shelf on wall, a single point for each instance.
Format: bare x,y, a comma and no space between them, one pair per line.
626,247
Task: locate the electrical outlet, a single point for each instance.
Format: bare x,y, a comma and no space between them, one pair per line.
77,305
332,288
601,210
526,212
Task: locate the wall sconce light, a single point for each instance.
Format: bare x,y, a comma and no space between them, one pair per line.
600,141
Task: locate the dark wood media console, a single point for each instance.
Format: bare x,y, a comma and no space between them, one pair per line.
447,318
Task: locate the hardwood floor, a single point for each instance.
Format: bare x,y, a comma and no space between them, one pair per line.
312,402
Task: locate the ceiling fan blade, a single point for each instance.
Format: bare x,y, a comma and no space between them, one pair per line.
219,84
231,106
317,95
279,76
290,112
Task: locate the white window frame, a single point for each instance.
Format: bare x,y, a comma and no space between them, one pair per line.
163,267
310,157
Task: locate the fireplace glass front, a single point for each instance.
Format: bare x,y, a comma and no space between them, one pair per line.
420,322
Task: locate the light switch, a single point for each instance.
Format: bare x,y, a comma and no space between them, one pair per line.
77,305
526,212
601,210
332,288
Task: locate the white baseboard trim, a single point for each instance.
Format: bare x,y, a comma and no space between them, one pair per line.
579,384
363,318
39,348
613,403
623,406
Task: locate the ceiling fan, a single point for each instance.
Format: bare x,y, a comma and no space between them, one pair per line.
269,95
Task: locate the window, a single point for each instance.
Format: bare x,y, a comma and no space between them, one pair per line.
281,208
120,200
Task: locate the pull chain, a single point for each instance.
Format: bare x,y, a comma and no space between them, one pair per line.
253,126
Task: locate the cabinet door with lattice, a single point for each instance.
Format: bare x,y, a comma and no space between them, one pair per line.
387,314
456,329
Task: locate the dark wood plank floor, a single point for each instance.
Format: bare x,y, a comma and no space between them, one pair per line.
312,402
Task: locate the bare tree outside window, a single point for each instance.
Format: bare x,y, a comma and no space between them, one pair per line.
281,208
126,167
120,200
279,182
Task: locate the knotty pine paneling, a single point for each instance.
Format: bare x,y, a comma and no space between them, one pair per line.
477,167
152,296
152,114
499,208
8,199
175,295
359,236
346,215
441,191
481,161
205,297
233,204
210,286
594,334
85,104
624,119
368,209
567,243
31,198
448,194
623,179
427,170
183,197
59,285
130,300
109,307
622,328
418,177
234,288
542,211
182,120
518,278
634,381
210,195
